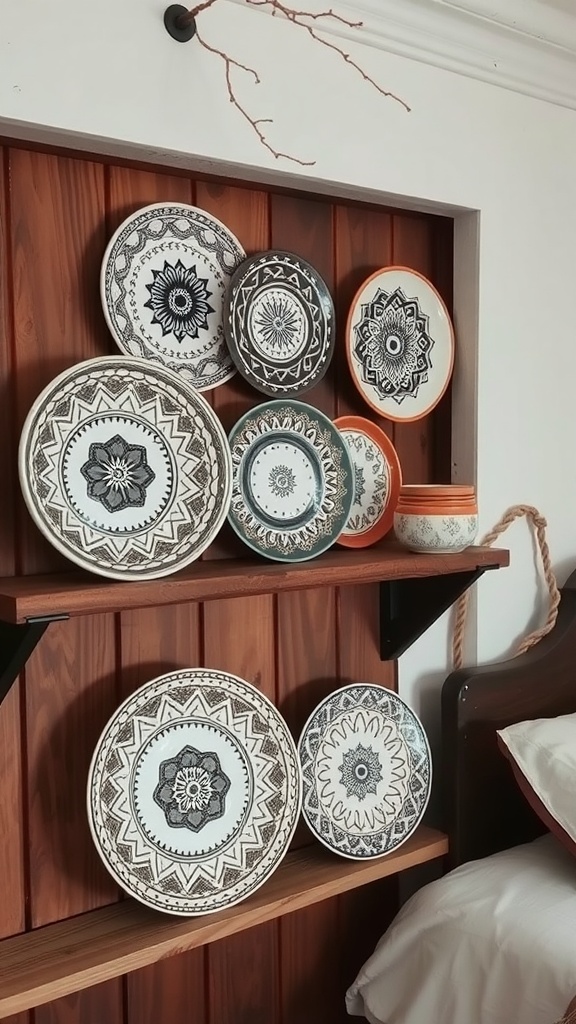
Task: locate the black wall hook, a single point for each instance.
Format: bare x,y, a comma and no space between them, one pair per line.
179,23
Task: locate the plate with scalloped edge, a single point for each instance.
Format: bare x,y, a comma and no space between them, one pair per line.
291,481
163,280
400,344
377,481
366,771
194,792
124,468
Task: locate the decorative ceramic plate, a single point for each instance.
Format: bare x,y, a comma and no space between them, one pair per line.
400,344
377,481
124,468
292,481
366,770
194,792
279,323
163,279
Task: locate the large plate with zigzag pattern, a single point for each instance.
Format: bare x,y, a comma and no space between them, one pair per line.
366,770
194,792
125,468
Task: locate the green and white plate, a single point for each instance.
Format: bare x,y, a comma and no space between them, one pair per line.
292,484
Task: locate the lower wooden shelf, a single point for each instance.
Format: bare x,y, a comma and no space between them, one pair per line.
70,955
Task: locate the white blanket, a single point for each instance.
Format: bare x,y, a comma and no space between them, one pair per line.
493,942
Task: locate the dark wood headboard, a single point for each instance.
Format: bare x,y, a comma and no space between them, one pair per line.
483,807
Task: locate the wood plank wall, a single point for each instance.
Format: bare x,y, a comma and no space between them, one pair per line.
56,214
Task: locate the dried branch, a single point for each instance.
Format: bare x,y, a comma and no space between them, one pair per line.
230,63
301,18
296,16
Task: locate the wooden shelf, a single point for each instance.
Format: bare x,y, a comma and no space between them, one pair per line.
71,955
79,593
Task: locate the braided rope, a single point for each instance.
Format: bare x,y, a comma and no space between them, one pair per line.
461,608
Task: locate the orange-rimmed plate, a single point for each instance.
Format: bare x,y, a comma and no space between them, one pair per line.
400,344
377,479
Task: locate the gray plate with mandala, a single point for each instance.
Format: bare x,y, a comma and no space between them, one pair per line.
194,792
124,468
366,770
164,276
279,323
400,344
292,484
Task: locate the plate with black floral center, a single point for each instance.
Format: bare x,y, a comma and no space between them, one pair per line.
194,792
377,481
366,771
163,280
125,468
400,344
291,481
279,323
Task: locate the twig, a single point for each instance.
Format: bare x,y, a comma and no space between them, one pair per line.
230,63
296,16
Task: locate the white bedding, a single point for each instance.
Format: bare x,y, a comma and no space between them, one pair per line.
493,942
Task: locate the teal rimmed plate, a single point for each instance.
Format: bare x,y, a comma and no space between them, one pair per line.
292,485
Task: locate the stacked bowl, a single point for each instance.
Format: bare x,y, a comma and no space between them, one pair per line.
436,518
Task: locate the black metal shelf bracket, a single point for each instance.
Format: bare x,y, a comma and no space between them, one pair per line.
408,607
16,645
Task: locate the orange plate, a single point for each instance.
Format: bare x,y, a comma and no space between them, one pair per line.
383,442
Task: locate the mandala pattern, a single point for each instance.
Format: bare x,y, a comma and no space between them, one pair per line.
192,788
117,474
203,828
282,481
361,771
393,344
279,323
366,770
359,484
372,484
179,300
163,280
315,475
149,450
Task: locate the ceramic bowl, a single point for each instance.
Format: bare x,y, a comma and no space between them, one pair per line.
435,534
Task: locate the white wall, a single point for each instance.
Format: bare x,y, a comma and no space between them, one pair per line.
106,77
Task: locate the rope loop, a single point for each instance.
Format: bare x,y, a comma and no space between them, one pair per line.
461,607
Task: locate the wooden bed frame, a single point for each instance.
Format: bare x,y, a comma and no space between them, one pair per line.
483,807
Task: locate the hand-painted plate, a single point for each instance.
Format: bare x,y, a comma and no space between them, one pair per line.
279,323
292,481
366,770
377,481
400,344
163,279
194,792
124,468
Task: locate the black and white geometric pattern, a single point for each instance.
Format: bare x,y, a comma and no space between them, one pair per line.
125,469
366,770
163,280
194,792
279,323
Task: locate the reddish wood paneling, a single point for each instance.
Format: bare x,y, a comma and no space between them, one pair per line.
56,216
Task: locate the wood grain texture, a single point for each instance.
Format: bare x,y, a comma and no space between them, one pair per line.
86,950
92,1006
57,237
239,638
81,594
11,794
170,991
70,694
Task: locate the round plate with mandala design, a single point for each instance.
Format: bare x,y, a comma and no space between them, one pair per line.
124,468
377,481
400,344
291,481
163,280
194,792
279,323
366,769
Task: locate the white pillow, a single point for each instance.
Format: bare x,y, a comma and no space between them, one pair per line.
542,753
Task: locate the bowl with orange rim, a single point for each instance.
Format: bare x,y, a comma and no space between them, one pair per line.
436,518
